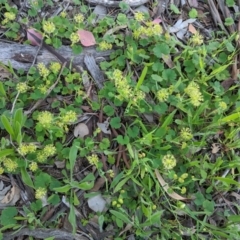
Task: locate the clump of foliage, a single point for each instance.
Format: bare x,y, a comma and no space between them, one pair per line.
174,110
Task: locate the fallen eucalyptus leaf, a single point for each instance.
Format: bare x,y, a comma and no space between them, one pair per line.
81,130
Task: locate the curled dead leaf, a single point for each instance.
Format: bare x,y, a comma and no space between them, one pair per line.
166,188
11,197
81,130
86,38
104,126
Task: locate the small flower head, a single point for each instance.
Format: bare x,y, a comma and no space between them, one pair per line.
41,157
111,173
22,87
222,106
183,190
139,16
186,134
93,160
74,38
194,93
169,161
43,71
43,88
196,39
55,67
45,118
117,74
184,175
162,95
79,18
9,16
24,149
105,46
49,150
10,165
69,117
114,203
33,166
48,27
40,193
63,14
120,200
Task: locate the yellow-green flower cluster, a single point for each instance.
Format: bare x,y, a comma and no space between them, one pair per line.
194,93
45,118
138,96
1,170
151,29
33,166
93,160
55,67
74,38
43,88
48,27
162,94
43,71
122,85
186,134
111,173
139,16
183,190
182,178
10,165
141,155
69,117
49,150
117,203
63,14
8,17
196,39
79,18
169,161
22,87
222,106
24,149
40,193
103,46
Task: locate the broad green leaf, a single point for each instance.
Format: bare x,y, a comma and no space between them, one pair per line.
121,216
168,120
234,218
63,189
142,77
7,216
26,177
120,184
72,158
18,117
232,117
84,185
72,219
228,181
7,125
2,90
6,152
116,180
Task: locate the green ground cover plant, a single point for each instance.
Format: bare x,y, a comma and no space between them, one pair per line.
175,125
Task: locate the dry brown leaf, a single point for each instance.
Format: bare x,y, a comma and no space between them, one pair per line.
191,29
104,126
167,59
215,148
81,130
98,184
12,196
60,164
4,73
127,228
166,188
